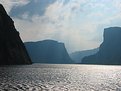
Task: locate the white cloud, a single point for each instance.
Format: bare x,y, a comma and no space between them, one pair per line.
36,30
78,23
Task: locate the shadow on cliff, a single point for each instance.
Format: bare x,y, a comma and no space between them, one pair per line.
12,49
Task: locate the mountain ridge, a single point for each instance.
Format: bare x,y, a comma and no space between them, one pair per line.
79,55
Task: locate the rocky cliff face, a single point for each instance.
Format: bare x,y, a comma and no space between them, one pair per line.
48,51
110,49
12,49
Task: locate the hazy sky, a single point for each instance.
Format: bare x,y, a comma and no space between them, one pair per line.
77,23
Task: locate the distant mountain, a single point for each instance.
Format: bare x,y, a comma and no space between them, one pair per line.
110,49
79,55
12,49
48,51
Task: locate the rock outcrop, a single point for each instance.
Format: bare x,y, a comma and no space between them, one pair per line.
110,49
12,49
48,51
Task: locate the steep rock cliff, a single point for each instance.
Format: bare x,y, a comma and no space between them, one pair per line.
12,49
110,49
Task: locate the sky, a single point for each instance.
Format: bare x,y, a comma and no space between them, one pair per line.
77,23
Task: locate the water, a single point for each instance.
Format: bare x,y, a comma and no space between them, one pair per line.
53,77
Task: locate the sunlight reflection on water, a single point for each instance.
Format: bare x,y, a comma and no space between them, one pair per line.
53,77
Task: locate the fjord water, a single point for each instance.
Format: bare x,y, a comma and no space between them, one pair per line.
60,77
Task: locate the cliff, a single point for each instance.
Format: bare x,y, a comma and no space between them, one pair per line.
12,49
110,49
48,51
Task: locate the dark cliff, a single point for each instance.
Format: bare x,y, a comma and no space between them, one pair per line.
12,49
48,51
110,49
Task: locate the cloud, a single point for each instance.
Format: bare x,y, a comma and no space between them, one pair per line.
36,30
77,23
8,4
33,7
